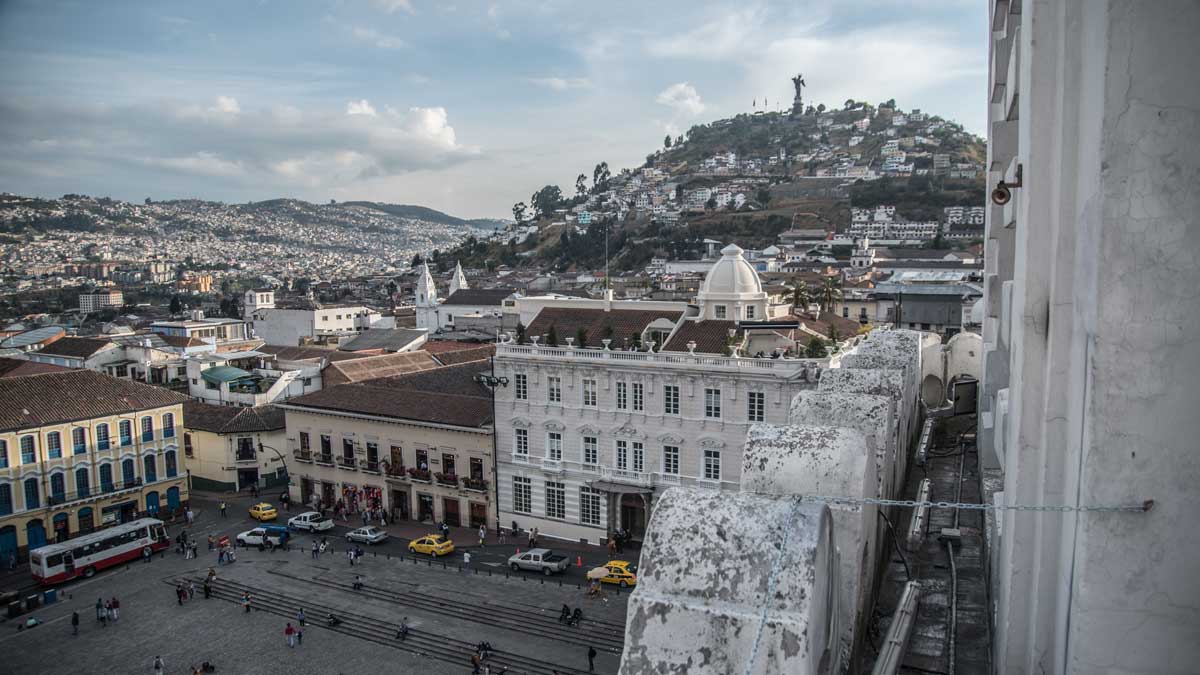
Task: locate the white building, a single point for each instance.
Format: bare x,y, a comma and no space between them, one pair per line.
588,437
1088,395
97,300
292,326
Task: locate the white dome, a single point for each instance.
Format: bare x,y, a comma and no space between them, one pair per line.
731,278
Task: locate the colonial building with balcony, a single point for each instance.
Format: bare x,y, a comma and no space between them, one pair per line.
656,397
230,448
418,446
80,450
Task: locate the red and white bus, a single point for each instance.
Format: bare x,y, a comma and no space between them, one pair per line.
84,555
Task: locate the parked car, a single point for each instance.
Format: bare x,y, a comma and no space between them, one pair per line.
432,544
263,511
539,560
311,521
277,535
367,535
621,572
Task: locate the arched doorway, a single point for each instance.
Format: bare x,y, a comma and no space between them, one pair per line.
8,543
87,521
35,534
932,391
152,502
62,527
173,499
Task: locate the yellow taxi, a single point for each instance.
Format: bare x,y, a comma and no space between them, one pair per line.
433,544
263,511
621,572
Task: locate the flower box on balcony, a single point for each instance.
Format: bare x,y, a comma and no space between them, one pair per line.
422,475
447,479
477,484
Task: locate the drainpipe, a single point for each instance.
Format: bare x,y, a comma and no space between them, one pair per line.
896,643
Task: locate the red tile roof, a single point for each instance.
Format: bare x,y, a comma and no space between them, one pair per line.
21,368
54,398
711,337
76,347
597,324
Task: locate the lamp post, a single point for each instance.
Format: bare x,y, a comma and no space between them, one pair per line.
490,381
287,479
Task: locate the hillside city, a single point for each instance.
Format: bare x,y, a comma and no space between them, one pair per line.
813,389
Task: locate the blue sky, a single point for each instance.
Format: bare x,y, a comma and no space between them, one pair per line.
462,105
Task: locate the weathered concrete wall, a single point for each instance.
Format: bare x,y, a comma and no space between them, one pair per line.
710,577
824,461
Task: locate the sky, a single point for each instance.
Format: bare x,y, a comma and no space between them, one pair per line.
466,106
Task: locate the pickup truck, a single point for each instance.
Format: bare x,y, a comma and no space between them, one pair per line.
539,560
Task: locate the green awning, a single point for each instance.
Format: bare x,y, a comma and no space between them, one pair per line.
224,374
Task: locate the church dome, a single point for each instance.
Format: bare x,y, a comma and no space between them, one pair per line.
731,277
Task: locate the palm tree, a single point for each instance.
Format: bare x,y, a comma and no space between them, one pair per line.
801,295
831,292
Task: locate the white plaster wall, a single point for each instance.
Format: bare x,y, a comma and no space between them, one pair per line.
1103,363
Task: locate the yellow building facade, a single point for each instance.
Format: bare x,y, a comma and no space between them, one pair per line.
80,451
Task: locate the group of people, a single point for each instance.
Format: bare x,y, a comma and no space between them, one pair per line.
483,651
320,547
617,541
106,611
571,618
185,591
294,634
354,554
185,545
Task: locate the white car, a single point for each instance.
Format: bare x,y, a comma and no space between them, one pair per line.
311,521
260,535
367,535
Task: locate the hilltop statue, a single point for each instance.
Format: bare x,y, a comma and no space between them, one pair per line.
798,102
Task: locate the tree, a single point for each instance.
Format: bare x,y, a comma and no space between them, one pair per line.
521,339
581,186
815,348
546,200
801,296
821,108
417,260
711,203
679,140
552,336
830,293
580,337
519,210
849,103
667,142
392,288
176,305
834,336
600,177
763,196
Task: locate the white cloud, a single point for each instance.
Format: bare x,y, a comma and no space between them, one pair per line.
375,38
561,83
227,105
683,97
391,6
200,163
362,107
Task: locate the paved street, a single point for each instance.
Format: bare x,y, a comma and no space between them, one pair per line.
449,610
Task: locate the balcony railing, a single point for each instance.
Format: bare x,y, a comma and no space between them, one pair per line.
555,465
303,455
447,479
420,475
246,456
325,460
706,361
666,478
397,472
476,484
61,498
627,477
347,462
370,467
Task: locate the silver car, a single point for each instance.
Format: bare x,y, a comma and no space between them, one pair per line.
367,535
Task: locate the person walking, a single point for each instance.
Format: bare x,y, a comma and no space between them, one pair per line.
299,636
482,535
467,559
74,623
300,617
191,590
179,593
316,549
591,659
223,508
246,601
191,516
290,634
159,666
500,533
207,589
109,611
116,608
211,542
101,613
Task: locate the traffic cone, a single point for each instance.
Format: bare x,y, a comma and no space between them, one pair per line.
579,561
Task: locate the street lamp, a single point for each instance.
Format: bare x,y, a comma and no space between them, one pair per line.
287,480
490,381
